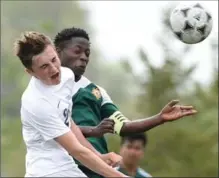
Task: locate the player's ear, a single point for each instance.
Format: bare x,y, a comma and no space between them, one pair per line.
58,51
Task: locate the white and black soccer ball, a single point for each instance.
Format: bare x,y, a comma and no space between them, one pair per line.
191,23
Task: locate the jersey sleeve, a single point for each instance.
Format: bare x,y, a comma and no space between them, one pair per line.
109,110
45,118
83,115
107,105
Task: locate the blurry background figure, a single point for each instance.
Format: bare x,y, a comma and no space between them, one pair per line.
132,151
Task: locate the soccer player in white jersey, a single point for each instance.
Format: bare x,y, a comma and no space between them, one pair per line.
93,110
51,137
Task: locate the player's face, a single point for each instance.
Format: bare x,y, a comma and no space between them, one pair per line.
76,55
132,152
46,66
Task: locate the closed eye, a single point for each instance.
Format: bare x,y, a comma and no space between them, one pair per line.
44,66
54,59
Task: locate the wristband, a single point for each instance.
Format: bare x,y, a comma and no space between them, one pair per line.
119,120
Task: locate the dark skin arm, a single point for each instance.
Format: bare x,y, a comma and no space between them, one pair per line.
170,112
141,125
105,126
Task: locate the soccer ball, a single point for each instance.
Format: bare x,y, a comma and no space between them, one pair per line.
191,23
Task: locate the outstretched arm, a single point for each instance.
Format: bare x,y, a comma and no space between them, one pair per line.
169,113
129,127
141,125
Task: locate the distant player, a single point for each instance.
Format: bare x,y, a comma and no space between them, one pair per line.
92,103
132,151
49,133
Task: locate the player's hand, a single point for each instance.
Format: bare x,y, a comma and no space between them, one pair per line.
111,159
105,126
172,111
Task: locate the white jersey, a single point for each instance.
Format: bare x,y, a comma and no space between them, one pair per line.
45,115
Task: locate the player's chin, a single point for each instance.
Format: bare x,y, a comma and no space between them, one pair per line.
80,71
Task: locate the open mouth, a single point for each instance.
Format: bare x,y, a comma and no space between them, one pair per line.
55,76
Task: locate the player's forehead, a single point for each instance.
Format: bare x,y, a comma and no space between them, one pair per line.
46,56
133,143
78,42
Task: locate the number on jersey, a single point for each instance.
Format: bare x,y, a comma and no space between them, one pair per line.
66,115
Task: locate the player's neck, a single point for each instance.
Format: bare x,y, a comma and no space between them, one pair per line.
77,78
130,168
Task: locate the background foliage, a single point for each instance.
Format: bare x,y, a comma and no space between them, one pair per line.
185,148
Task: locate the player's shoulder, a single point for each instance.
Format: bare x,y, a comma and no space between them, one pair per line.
103,91
67,73
39,109
143,173
34,103
31,92
82,83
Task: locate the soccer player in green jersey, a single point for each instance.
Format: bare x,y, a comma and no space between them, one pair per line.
92,104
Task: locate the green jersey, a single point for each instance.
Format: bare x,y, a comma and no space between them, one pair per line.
140,173
91,104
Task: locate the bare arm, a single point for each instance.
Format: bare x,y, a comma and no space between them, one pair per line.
141,125
88,131
105,126
47,120
85,156
170,112
111,158
78,133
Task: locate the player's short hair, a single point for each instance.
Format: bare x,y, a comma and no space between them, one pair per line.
139,136
64,36
29,45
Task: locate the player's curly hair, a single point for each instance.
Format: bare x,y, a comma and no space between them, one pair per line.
29,45
138,136
64,36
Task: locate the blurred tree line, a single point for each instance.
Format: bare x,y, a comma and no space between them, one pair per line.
185,148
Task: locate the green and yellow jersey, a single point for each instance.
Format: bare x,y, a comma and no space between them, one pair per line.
91,104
